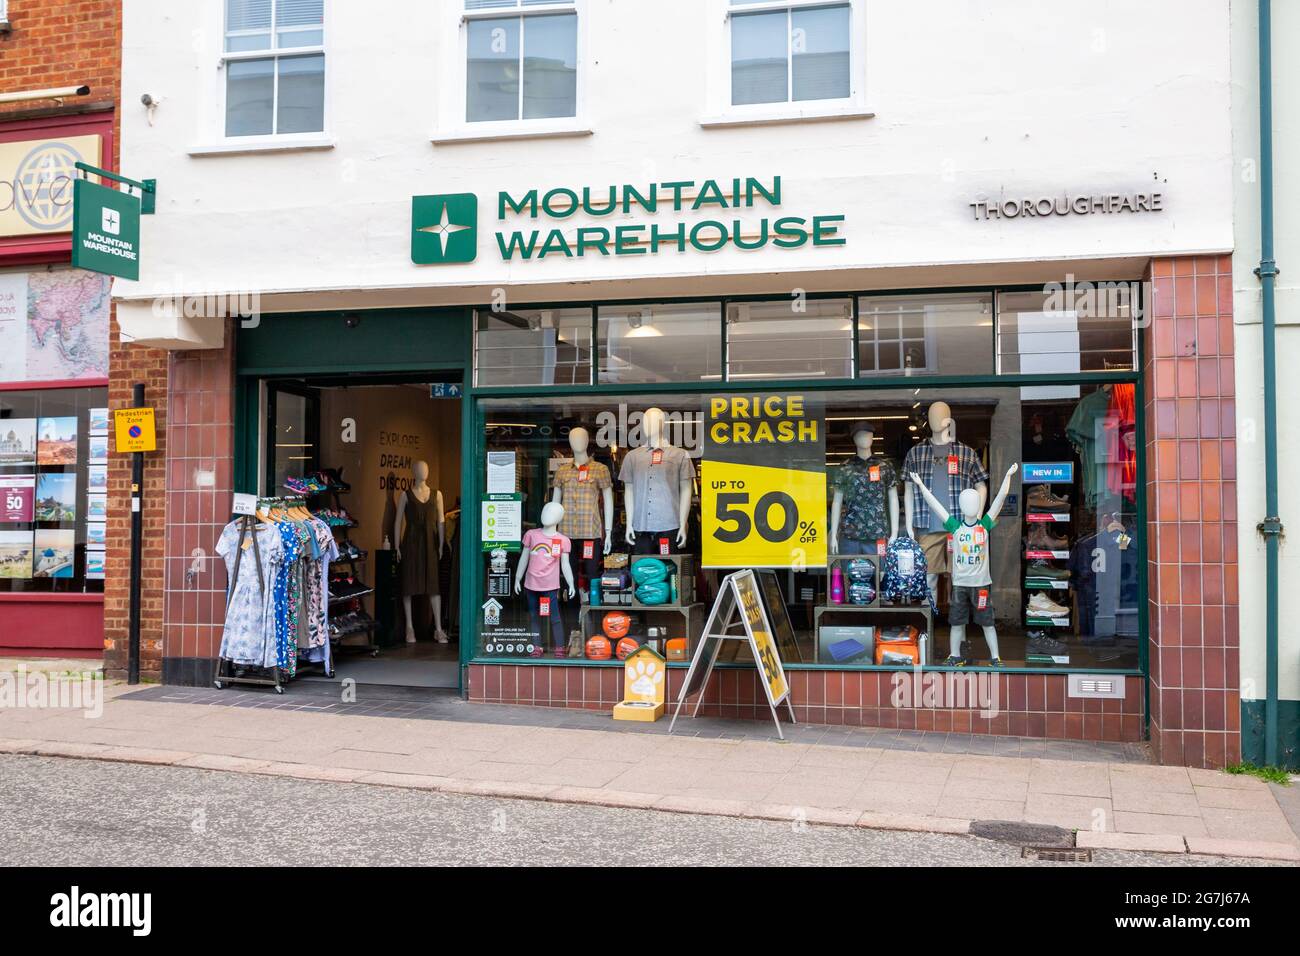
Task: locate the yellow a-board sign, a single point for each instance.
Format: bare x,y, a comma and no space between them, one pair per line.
134,429
763,482
739,604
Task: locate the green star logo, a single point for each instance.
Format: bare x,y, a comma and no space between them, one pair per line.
444,228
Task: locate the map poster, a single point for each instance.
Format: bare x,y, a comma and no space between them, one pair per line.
17,498
13,327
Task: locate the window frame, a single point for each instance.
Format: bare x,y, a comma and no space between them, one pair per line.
722,112
274,53
454,126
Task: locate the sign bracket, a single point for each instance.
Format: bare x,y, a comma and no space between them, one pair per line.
148,188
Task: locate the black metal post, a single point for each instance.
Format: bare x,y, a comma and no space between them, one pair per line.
137,514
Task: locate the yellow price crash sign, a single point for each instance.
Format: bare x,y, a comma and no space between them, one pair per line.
134,429
763,482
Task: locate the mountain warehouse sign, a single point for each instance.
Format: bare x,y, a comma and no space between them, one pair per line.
531,224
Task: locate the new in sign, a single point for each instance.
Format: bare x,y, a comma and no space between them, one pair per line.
134,428
105,230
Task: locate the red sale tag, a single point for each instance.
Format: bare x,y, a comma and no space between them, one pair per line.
979,535
952,464
555,547
874,472
589,549
983,600
663,546
544,606
881,546
582,473
657,456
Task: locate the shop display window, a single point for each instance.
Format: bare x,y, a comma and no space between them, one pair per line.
1032,559
53,490
913,335
660,342
792,338
533,347
1084,327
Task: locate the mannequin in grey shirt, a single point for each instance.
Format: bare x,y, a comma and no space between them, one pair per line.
636,477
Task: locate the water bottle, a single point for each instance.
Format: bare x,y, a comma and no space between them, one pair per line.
837,585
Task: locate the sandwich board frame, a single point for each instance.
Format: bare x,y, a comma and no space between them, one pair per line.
739,604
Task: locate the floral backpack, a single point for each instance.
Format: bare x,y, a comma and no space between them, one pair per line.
903,578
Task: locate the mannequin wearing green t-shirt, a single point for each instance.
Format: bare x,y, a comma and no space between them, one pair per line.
971,581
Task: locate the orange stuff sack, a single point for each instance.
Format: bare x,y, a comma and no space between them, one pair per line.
898,646
598,649
677,649
626,648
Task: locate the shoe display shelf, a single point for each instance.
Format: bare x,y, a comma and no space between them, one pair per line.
1047,521
348,615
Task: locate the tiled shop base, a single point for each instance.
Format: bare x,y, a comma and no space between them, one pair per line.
1013,704
422,704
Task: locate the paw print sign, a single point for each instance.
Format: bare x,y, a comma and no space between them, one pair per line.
645,679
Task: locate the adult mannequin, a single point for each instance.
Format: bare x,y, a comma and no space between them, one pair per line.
947,467
419,517
542,560
657,489
870,485
971,581
586,490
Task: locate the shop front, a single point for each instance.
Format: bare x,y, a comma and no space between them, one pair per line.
54,342
946,487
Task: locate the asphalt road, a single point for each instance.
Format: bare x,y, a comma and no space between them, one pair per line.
57,812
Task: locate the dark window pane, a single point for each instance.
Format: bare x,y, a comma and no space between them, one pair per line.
250,97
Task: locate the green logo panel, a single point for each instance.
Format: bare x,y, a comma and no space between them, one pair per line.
444,228
105,230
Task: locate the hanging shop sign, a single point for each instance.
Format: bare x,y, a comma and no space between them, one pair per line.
134,428
106,230
763,482
37,178
738,614
682,216
502,522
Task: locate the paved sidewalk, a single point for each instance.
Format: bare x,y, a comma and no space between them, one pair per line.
527,753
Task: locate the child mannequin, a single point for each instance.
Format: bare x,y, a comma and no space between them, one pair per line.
544,558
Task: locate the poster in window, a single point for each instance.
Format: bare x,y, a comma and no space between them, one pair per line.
13,327
55,550
56,441
98,424
17,442
96,507
98,450
15,554
56,498
96,535
97,478
17,498
94,565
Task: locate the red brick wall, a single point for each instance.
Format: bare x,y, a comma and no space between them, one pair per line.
1192,513
1028,705
58,43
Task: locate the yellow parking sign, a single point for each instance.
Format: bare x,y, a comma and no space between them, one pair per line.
135,429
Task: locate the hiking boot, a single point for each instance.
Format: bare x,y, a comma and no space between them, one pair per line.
1040,539
1040,643
1041,498
1041,569
1040,605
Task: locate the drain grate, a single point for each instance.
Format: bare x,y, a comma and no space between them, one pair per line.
1056,854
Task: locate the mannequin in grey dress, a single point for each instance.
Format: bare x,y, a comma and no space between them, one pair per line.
421,532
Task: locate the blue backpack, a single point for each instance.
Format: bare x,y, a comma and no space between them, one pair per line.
903,577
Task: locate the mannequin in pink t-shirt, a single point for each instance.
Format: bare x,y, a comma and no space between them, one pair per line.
545,557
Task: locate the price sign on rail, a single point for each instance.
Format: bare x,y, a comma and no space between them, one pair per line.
763,482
